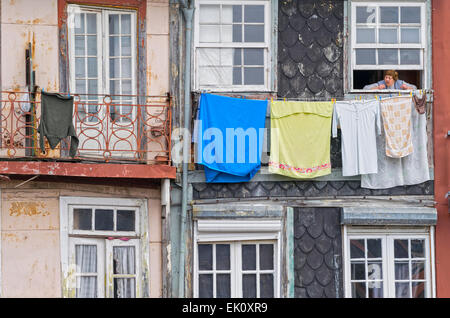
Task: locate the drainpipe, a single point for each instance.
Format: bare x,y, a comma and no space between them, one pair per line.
187,14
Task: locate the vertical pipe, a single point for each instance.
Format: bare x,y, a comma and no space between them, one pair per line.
188,14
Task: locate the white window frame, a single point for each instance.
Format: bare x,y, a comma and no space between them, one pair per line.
423,46
238,233
267,46
388,235
105,240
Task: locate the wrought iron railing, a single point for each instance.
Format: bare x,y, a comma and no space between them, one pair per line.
110,128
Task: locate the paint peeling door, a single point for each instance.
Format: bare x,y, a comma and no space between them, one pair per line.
102,50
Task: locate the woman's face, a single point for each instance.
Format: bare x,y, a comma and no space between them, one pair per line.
389,80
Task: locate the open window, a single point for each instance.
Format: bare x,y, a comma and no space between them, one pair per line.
387,35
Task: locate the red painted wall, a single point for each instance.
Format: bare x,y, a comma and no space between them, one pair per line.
441,115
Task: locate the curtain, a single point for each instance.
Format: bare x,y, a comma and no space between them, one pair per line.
86,262
124,263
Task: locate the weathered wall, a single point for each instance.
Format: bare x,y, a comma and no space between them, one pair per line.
31,262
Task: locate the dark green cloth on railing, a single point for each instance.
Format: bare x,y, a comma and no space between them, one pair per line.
56,121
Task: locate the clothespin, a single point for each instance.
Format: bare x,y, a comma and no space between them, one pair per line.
284,99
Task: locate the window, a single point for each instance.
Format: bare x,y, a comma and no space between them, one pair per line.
387,264
231,261
101,247
232,45
388,35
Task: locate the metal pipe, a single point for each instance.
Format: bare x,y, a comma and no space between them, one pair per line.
187,14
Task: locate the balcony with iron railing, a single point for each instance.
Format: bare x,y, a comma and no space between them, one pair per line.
124,136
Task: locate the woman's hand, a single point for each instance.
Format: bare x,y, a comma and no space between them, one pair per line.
404,86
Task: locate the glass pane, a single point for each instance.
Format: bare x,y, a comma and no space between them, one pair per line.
125,220
418,289
249,257
410,35
253,56
387,36
265,256
237,58
418,270
387,56
86,287
358,290
389,14
375,289
79,23
401,248
114,68
92,89
125,23
266,286
209,33
209,13
249,285
124,288
80,87
126,68
365,14
114,46
254,33
358,270
365,35
374,270
237,76
237,33
124,260
92,67
104,220
401,270
254,14
357,249
227,14
92,45
409,57
80,67
86,258
91,19
215,75
227,34
205,285
223,286
410,15
79,45
114,87
126,87
374,248
417,248
237,13
365,57
82,219
402,290
126,45
208,57
205,257
222,256
113,24
253,76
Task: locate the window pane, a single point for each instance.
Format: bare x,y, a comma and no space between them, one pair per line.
265,256
357,249
114,46
358,290
208,57
126,87
79,23
209,13
237,33
387,36
104,220
86,258
92,67
227,34
124,288
126,68
125,220
402,290
365,14
126,45
205,257
375,289
124,260
209,33
410,14
113,24
82,219
237,13
92,89
222,256
401,248
80,67
249,257
254,13
253,56
79,45
125,23
401,270
266,286
237,76
114,68
254,76
365,35
215,75
410,35
365,57
418,270
86,287
80,87
223,286
389,14
417,248
205,285
237,58
91,19
254,33
375,270
358,270
418,290
374,248
92,45
387,56
409,57
249,285
227,14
